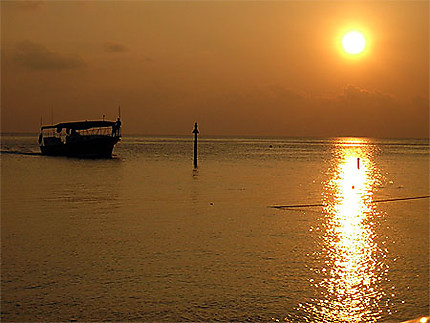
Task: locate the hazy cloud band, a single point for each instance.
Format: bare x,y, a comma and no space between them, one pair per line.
37,57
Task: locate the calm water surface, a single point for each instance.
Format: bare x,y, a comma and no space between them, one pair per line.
141,237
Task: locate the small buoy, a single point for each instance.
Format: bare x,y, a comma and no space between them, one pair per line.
270,146
353,187
211,203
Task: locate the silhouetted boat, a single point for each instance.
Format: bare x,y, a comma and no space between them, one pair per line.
93,139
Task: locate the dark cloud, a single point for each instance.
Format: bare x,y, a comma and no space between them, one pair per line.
115,48
37,57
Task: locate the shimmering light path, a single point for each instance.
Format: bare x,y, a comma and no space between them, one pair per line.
349,263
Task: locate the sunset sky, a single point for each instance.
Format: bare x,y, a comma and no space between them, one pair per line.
237,68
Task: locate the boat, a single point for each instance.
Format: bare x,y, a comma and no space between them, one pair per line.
86,139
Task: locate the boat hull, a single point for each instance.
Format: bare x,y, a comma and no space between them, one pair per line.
85,147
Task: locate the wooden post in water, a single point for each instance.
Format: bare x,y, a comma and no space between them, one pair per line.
195,132
358,163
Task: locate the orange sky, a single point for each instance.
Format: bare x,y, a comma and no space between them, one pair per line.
237,68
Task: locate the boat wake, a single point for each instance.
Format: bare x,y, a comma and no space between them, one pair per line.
16,152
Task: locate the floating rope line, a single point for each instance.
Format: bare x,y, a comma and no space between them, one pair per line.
296,206
402,199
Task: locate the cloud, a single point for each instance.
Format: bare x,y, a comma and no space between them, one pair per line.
147,59
357,95
115,48
24,5
373,113
37,57
354,111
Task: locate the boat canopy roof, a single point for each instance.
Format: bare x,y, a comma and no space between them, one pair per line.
80,125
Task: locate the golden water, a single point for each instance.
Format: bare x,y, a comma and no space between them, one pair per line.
142,237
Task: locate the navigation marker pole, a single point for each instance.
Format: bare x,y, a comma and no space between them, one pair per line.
195,132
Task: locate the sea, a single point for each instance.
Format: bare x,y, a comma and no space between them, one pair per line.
264,230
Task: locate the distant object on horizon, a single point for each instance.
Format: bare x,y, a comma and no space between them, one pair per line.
86,139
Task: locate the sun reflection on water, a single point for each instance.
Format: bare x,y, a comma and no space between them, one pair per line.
351,267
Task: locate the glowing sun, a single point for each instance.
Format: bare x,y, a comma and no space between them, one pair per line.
353,42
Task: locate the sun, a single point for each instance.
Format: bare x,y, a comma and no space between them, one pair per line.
353,42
